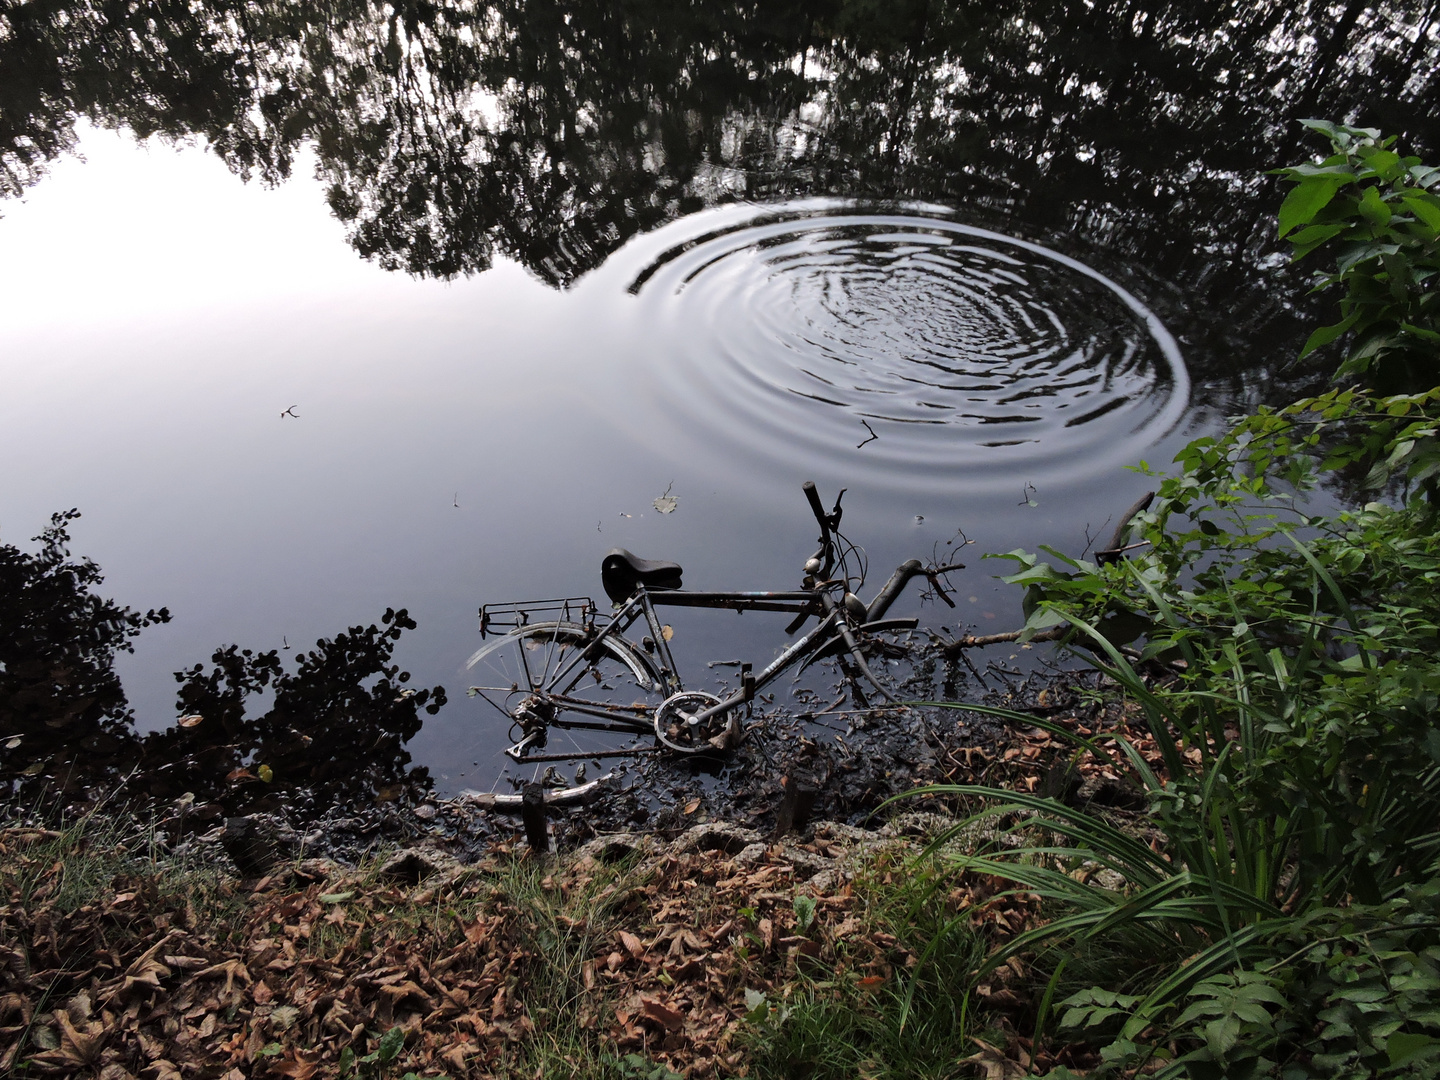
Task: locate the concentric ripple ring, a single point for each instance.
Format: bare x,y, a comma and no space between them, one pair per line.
910,342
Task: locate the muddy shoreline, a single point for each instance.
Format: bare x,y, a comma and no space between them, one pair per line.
853,777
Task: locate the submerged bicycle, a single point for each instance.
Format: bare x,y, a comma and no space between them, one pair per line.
563,663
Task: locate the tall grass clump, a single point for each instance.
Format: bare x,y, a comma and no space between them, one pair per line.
897,1023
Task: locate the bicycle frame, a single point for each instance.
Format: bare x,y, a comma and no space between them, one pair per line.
641,607
593,641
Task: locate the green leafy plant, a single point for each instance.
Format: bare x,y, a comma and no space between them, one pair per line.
804,912
1379,213
1284,665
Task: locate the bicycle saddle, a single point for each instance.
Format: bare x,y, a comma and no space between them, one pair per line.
621,572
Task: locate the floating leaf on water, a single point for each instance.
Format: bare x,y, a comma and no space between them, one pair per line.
692,806
190,721
667,631
667,503
266,773
11,744
236,775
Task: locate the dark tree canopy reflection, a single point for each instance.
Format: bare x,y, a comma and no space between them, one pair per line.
448,132
334,732
64,721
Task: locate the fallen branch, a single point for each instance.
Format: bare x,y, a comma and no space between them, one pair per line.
954,649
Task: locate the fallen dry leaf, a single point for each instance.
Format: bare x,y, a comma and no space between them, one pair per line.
662,1014
632,944
996,1065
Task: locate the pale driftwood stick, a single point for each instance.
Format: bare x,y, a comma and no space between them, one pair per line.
512,803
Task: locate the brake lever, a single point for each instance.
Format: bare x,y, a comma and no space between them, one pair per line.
833,519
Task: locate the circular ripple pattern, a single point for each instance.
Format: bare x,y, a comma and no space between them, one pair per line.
910,343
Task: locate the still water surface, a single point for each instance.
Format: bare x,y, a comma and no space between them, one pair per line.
637,274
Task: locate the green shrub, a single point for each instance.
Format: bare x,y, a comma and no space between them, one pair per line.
1286,664
1379,214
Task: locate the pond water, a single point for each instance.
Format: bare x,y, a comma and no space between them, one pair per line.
505,274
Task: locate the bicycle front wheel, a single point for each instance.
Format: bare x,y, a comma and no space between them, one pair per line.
538,674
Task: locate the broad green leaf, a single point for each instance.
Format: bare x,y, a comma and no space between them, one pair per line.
1312,236
1373,208
1424,206
391,1043
1383,162
1404,1047
1326,334
1305,200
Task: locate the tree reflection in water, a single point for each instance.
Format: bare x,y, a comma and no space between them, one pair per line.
333,734
335,731
64,722
448,132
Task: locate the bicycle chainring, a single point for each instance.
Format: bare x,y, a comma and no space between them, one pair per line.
676,728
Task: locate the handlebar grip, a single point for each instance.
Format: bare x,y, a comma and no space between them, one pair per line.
813,497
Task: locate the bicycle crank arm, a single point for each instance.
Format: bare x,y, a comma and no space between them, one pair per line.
517,752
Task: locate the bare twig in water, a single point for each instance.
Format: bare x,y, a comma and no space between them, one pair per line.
957,647
872,437
290,412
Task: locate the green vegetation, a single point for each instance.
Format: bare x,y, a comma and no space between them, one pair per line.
911,1022
1377,213
1282,665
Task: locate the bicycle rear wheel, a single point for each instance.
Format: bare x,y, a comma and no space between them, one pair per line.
535,675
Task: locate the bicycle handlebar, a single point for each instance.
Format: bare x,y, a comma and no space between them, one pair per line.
813,497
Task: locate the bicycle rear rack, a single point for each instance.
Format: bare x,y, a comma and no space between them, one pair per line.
502,618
